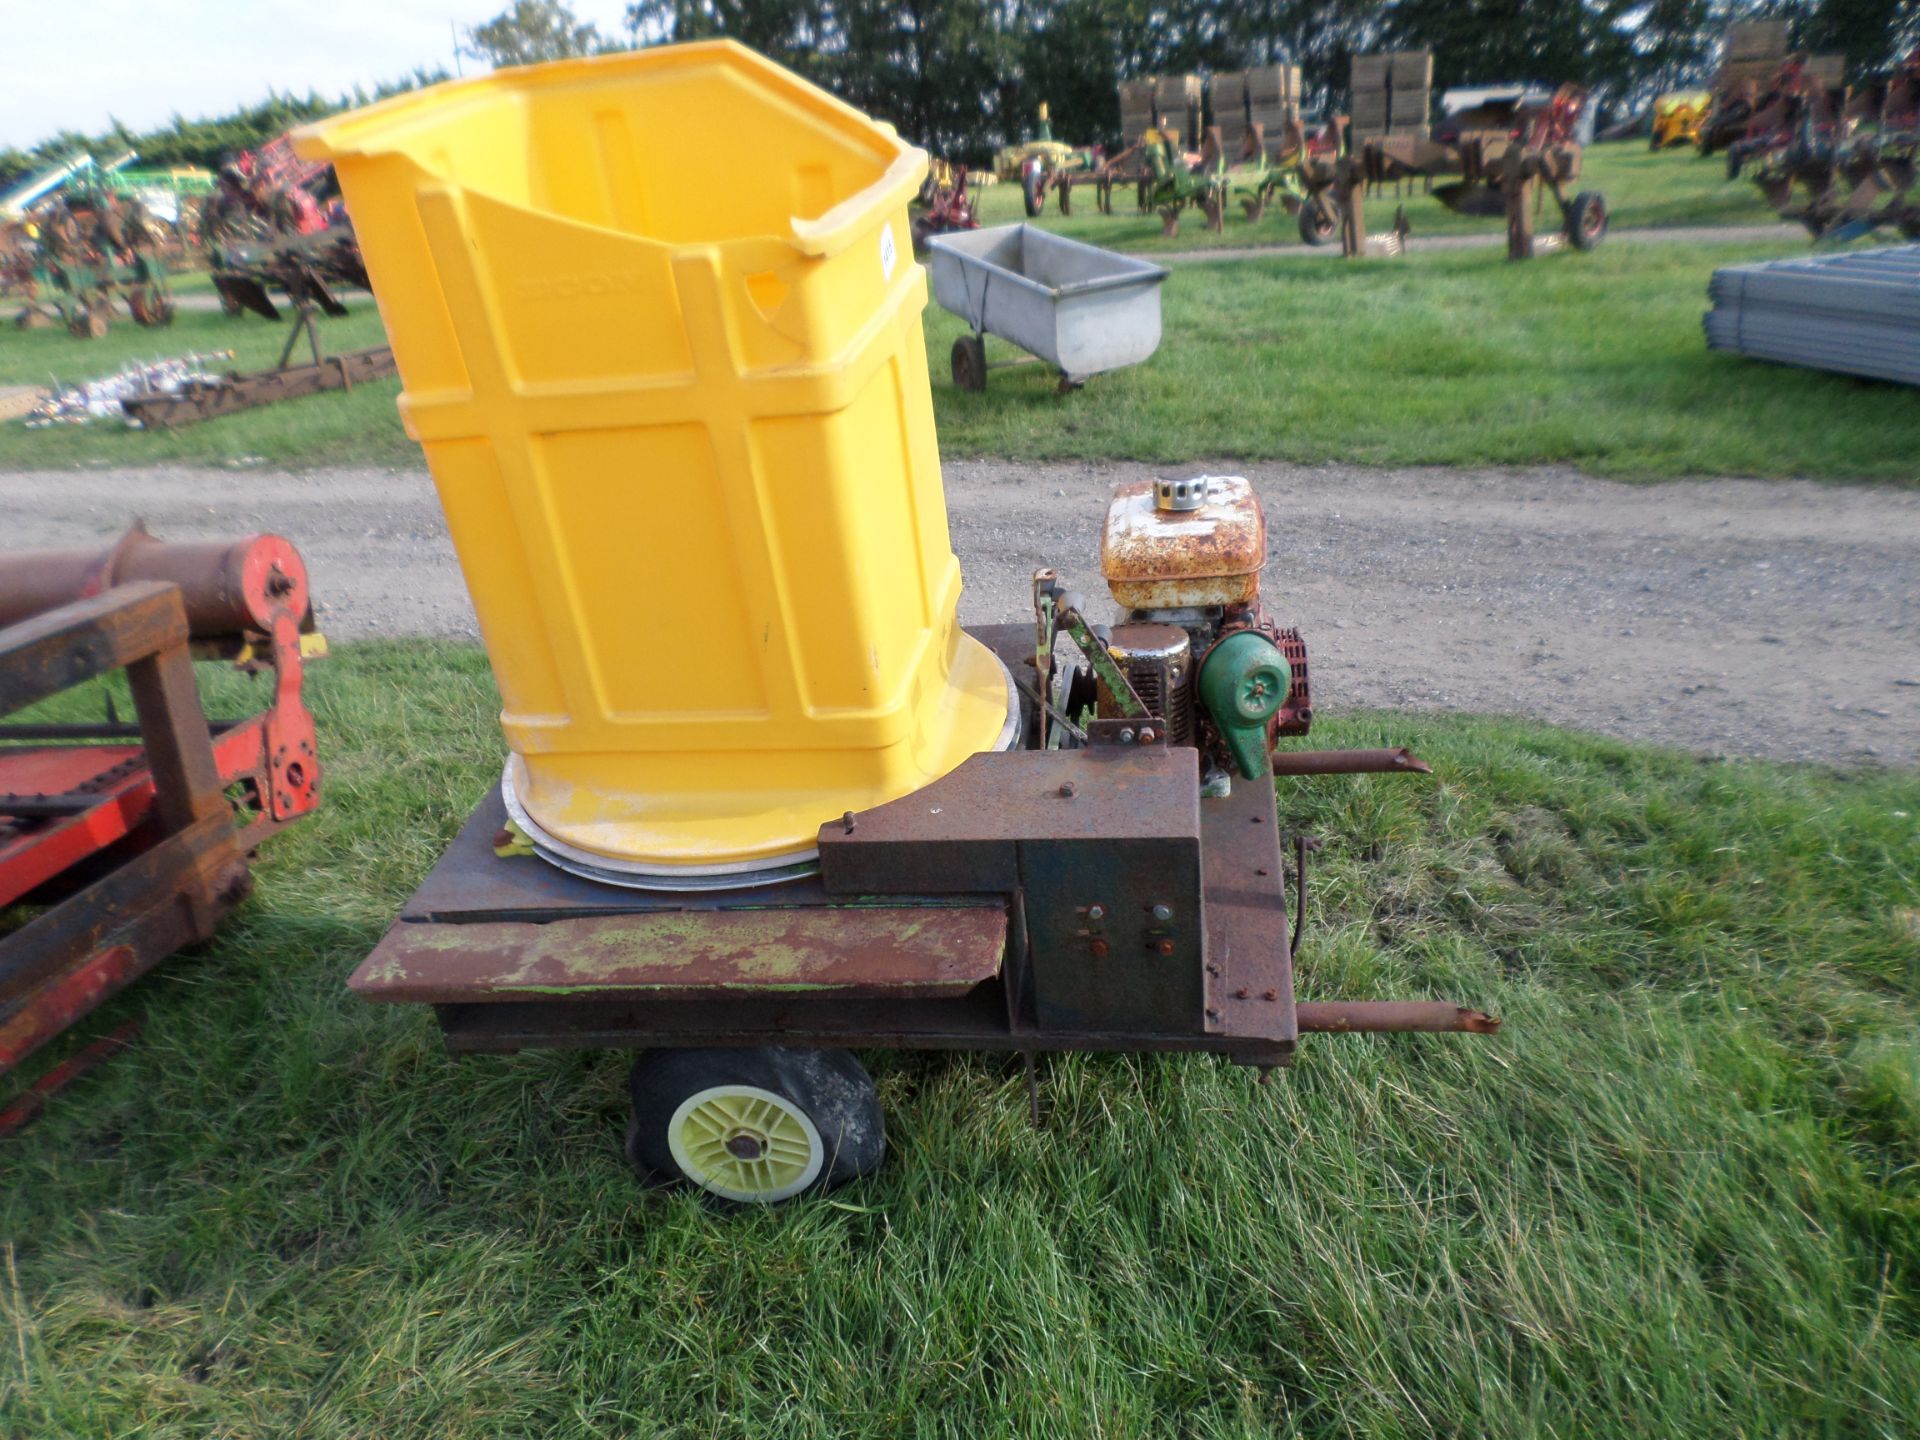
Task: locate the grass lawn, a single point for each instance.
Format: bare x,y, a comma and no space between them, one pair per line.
1460,358
1680,1194
1675,187
361,425
1592,360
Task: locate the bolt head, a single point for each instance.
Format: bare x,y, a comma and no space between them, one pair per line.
1163,913
1096,912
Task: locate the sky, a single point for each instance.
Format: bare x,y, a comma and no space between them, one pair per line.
79,64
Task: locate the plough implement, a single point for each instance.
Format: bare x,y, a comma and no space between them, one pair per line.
1507,170
307,268
1842,165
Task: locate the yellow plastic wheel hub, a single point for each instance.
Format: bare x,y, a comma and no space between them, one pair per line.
744,1143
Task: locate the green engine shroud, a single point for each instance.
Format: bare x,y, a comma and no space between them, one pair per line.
1243,682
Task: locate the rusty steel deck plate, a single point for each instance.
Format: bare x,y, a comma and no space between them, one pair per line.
1026,901
841,951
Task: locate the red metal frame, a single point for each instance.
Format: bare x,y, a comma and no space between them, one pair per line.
137,849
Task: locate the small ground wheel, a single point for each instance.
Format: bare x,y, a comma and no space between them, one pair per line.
1587,220
970,363
1033,192
753,1126
1318,223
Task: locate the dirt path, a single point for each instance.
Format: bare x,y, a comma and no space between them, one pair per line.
1728,617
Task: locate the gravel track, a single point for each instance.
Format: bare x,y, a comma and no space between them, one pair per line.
1727,617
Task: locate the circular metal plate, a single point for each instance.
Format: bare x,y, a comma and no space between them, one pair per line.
734,875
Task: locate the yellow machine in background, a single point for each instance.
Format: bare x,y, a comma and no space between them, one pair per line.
1676,118
1010,161
684,439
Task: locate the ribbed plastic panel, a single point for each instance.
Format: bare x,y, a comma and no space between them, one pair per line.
1857,313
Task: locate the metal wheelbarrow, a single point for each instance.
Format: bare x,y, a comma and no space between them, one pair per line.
1078,308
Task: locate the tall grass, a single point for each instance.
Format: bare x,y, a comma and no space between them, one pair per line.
1677,1195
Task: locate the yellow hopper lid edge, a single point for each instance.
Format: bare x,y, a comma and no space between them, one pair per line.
341,137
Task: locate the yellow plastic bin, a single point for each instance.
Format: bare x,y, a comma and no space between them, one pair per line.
658,323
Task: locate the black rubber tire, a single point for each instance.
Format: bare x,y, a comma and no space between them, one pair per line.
969,362
1033,192
1318,225
1587,220
830,1087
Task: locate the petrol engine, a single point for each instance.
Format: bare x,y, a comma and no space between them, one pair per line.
1193,658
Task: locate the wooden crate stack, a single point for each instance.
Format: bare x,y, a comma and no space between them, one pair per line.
1182,102
1829,68
1267,96
1177,99
1136,108
1392,93
1753,51
1756,49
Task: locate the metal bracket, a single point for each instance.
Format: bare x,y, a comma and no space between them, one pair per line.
1130,733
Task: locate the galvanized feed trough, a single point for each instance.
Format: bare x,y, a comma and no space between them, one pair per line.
1078,308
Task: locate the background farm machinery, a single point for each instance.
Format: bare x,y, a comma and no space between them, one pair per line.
1840,162
946,201
1676,119
1254,112
74,257
266,233
1502,158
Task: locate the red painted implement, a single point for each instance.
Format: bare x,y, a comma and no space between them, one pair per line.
121,843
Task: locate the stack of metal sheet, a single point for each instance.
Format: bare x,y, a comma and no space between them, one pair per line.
1858,312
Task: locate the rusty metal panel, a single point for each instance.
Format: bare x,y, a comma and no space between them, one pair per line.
961,832
1249,965
1115,930
849,951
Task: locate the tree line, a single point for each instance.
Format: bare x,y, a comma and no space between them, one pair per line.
963,76
960,76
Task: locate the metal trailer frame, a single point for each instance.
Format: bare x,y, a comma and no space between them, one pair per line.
1031,900
135,849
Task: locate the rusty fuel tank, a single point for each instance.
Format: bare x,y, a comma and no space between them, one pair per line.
1173,544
